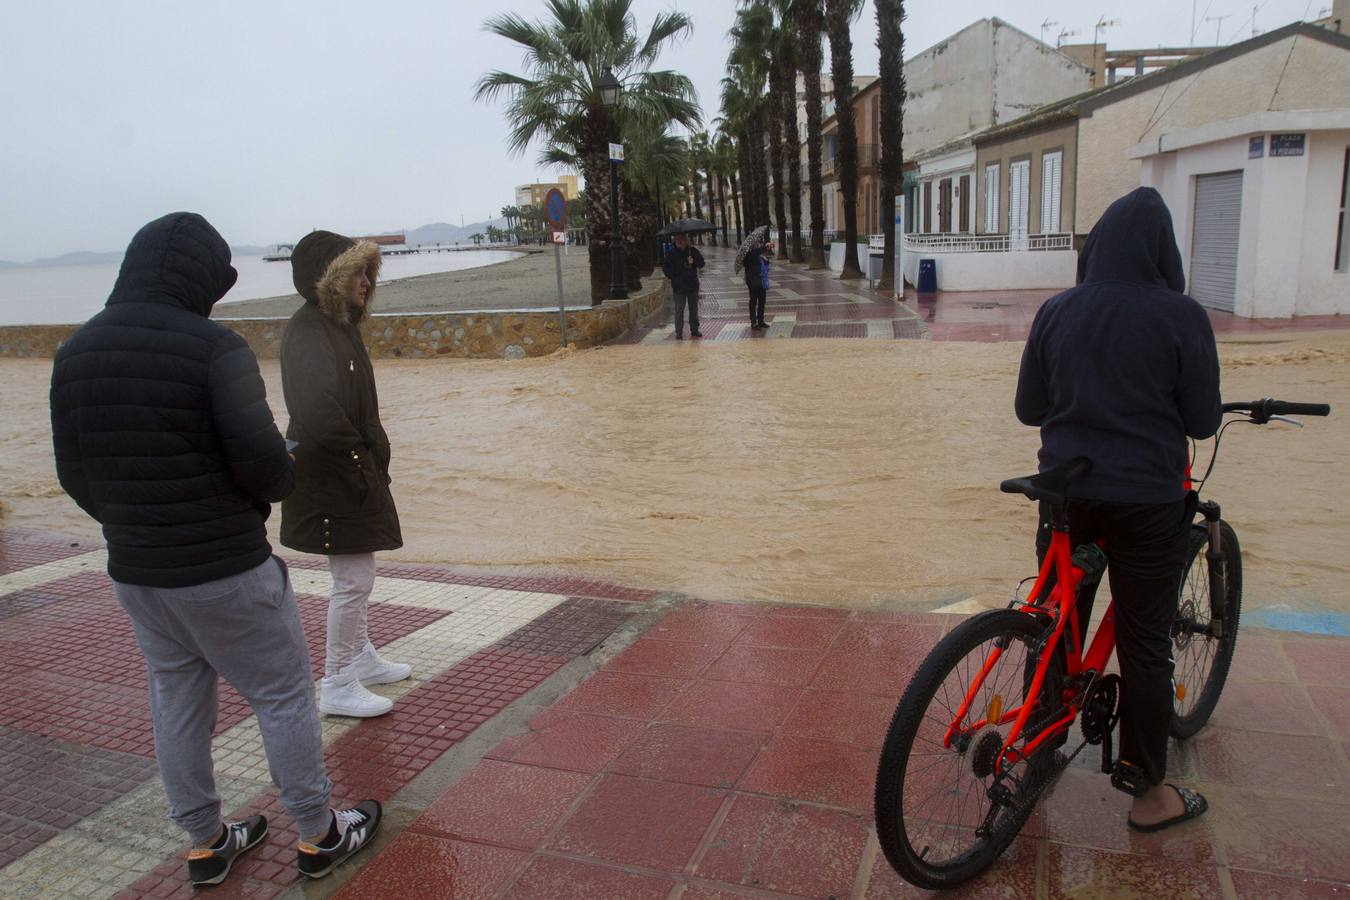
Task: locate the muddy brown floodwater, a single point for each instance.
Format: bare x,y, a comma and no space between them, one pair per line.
849,472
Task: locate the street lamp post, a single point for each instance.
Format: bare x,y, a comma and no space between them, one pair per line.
610,90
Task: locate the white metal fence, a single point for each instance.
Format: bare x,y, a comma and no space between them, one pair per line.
986,243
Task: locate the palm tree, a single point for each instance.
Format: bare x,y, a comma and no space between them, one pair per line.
558,99
808,30
767,37
838,16
745,104
476,238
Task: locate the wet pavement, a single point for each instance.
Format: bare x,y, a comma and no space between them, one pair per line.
571,738
805,304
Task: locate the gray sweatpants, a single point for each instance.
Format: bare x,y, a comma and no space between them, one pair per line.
245,629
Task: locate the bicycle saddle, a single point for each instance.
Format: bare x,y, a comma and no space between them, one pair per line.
1050,485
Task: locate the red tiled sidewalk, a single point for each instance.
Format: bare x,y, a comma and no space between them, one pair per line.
730,752
75,728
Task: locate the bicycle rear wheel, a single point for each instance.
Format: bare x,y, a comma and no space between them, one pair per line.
935,820
1202,660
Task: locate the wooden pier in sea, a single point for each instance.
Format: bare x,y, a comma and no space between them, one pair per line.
394,245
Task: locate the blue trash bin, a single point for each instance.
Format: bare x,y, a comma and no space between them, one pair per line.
927,276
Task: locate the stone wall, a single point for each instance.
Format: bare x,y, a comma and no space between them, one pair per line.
492,334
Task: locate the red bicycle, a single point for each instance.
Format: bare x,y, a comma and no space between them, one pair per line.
973,742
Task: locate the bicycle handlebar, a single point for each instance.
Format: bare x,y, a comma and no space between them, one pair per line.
1262,410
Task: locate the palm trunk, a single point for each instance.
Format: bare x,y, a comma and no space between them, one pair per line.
712,215
841,68
762,169
736,202
776,89
809,19
722,199
891,43
792,148
749,204
599,231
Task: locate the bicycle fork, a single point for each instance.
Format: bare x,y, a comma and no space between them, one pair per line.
1218,581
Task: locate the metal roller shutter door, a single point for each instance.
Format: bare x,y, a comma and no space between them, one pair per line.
1214,246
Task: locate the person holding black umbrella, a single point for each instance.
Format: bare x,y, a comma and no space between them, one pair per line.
681,266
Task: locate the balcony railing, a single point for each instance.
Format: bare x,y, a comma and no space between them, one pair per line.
986,243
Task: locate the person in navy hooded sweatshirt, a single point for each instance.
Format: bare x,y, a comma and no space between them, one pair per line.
1123,369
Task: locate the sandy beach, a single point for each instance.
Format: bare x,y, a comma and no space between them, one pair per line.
861,473
527,282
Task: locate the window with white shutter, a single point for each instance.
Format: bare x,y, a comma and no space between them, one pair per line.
1051,186
991,221
1019,178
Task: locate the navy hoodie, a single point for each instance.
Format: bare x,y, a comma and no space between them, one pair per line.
1123,368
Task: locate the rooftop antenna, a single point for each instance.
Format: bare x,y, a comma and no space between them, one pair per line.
1255,9
1059,41
1218,20
1102,24
1044,25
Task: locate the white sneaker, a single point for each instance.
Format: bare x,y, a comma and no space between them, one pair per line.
369,668
344,695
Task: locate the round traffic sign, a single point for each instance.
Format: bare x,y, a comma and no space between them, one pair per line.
555,207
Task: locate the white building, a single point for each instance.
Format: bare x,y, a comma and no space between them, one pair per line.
1259,203
1259,220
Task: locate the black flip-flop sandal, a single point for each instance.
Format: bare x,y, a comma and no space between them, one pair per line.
1195,806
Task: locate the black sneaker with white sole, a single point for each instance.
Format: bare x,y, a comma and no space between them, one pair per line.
351,830
211,865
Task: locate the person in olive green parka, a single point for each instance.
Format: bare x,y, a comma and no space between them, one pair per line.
341,506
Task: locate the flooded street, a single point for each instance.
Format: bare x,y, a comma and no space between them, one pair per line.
845,472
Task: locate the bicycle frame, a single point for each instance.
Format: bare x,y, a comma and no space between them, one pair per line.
1063,609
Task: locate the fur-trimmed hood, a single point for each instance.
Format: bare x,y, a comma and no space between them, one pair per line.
322,266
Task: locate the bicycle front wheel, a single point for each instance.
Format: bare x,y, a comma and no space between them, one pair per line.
936,821
1202,660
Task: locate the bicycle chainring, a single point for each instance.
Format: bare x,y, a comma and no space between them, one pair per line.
1101,709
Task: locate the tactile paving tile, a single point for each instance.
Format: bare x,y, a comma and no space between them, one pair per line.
832,330
19,550
91,563
572,628
50,785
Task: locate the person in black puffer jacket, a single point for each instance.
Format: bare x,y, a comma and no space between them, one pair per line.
160,418
342,506
162,433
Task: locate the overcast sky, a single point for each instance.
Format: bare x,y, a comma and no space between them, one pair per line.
272,118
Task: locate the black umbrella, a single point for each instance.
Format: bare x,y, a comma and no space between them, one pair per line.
686,226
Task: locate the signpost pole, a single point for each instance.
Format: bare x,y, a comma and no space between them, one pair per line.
555,208
562,316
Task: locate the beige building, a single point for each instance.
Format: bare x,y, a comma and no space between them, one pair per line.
1043,180
1287,69
534,194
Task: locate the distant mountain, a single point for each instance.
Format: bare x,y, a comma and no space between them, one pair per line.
78,258
445,233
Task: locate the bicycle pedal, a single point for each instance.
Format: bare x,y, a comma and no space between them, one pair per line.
1128,777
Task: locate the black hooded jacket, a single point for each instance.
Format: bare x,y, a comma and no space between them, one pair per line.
160,419
1123,368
